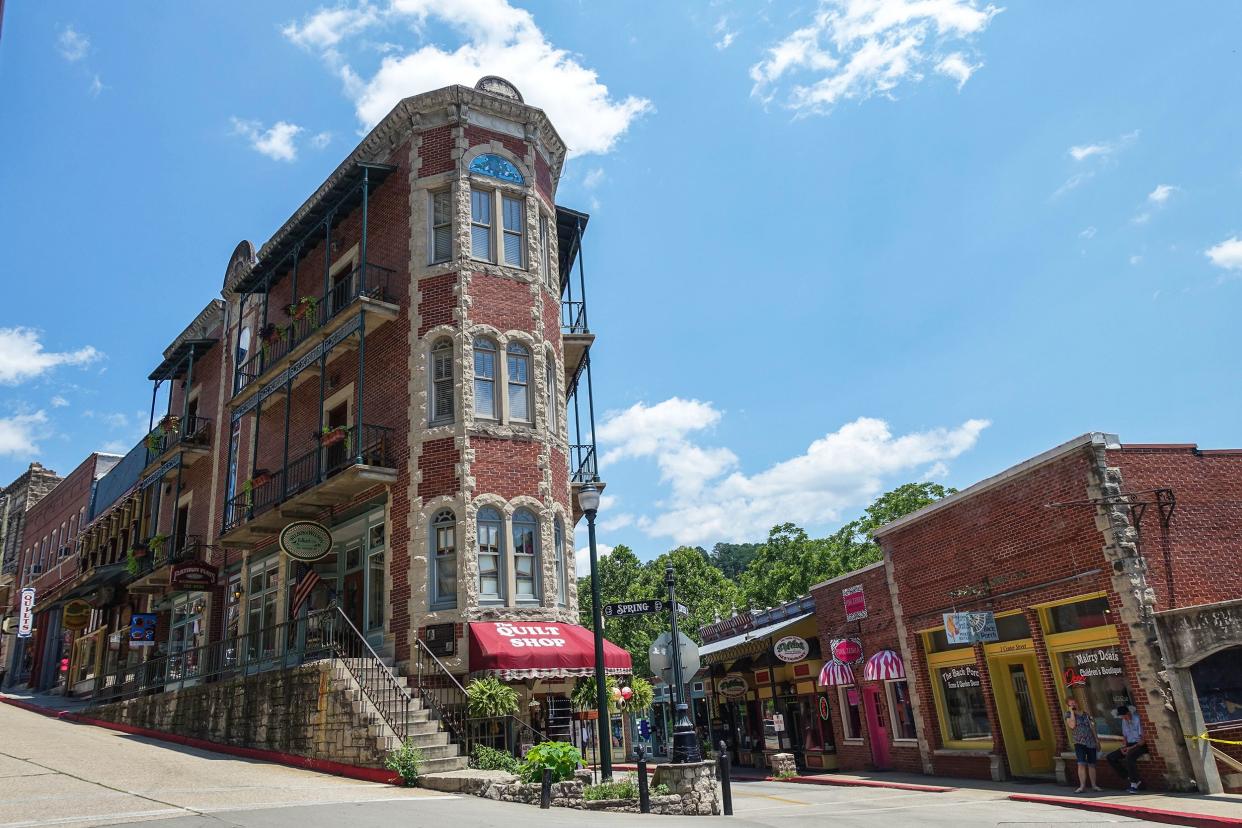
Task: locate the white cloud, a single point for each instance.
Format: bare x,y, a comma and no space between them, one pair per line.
615,522
22,356
582,558
1161,194
842,470
321,139
1089,233
96,86
276,143
727,35
1141,218
856,49
73,45
957,67
117,447
59,402
1227,254
19,433
496,39
1136,259
593,178
1104,149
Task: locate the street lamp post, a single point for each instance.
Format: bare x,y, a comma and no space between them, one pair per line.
588,500
685,742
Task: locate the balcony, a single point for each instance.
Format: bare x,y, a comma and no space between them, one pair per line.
330,474
314,319
152,574
577,340
583,469
191,435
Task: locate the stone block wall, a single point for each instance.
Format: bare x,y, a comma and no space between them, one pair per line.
311,711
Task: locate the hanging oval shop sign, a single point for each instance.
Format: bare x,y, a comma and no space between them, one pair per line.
733,687
847,650
306,540
791,648
76,615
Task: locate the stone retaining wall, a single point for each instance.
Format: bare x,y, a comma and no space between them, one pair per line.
311,711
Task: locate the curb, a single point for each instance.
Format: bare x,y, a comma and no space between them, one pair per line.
277,757
861,783
1137,811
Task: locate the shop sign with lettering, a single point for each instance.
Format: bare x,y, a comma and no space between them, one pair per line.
855,602
847,650
733,687
959,678
791,649
142,629
531,635
306,540
76,615
193,575
969,627
25,613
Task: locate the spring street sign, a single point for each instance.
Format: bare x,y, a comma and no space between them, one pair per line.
654,606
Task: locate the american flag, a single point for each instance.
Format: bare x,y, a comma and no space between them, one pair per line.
308,578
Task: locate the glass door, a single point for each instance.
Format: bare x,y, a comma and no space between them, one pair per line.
1025,724
377,548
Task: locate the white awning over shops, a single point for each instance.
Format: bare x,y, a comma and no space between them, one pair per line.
752,641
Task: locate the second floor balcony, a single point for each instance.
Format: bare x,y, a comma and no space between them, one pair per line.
150,564
344,463
313,318
191,435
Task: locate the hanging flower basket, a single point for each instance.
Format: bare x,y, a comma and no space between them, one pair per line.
586,715
271,334
302,307
171,424
140,551
332,436
260,478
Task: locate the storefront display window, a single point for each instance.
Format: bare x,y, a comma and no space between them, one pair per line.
1218,681
261,610
816,732
850,698
938,642
900,710
1012,627
187,634
1078,615
1105,684
964,712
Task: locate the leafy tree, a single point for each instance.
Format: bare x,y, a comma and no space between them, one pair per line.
900,502
733,558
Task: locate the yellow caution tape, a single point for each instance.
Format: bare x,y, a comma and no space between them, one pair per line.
1204,737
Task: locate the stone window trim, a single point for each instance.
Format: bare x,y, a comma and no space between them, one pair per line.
500,189
435,257
544,565
536,379
442,517
496,520
525,517
439,385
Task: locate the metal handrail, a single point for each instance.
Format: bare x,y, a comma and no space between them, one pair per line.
191,431
390,699
367,280
573,317
582,466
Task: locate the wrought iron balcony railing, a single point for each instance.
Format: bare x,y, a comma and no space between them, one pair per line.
189,549
193,431
369,445
582,466
573,317
310,313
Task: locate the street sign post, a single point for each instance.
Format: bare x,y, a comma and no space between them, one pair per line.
660,656
633,608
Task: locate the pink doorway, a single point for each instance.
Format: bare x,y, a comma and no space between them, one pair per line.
877,735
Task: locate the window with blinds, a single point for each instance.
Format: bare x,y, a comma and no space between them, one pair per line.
514,229
490,552
526,555
442,382
481,225
519,382
441,246
484,378
444,578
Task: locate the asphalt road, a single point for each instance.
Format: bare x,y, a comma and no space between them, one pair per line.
55,773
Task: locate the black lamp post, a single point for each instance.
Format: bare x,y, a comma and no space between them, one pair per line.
685,741
588,500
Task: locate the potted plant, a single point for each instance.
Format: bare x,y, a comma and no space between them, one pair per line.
155,440
156,543
489,698
171,424
332,435
583,697
132,564
303,306
139,550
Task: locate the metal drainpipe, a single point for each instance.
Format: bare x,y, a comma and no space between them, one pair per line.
362,339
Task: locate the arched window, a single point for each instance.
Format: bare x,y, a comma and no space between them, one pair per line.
497,166
562,571
442,382
485,378
491,556
444,560
519,382
243,345
550,382
526,554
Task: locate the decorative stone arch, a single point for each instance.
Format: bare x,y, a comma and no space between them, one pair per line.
239,265
497,148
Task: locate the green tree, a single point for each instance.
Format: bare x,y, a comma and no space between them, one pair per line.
733,558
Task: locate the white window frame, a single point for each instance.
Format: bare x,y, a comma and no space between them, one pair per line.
495,227
518,350
438,350
433,226
497,597
843,702
506,233
489,197
545,247
562,571
444,519
519,519
493,348
549,371
891,695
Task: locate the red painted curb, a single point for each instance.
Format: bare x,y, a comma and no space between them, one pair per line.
1138,811
860,783
292,760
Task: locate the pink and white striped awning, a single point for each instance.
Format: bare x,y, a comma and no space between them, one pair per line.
884,666
835,674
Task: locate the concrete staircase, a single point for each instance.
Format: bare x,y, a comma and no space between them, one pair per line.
440,754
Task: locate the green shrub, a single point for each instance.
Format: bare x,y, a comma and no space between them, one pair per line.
489,698
562,757
486,758
660,790
644,694
625,789
583,695
786,775
405,761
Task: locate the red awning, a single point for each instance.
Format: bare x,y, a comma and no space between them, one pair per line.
534,649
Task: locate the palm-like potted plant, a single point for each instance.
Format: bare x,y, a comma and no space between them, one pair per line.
583,697
302,307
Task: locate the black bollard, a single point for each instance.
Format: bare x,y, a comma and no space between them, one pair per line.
726,792
644,796
545,793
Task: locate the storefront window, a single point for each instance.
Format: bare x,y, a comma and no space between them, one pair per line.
1012,627
1079,615
900,710
1218,682
261,609
965,713
813,727
1105,684
938,642
375,578
186,635
851,711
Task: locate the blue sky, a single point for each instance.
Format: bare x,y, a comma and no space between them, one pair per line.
834,246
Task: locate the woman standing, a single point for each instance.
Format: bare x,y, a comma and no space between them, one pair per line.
1081,729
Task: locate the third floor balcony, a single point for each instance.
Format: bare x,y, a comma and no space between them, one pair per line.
190,435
